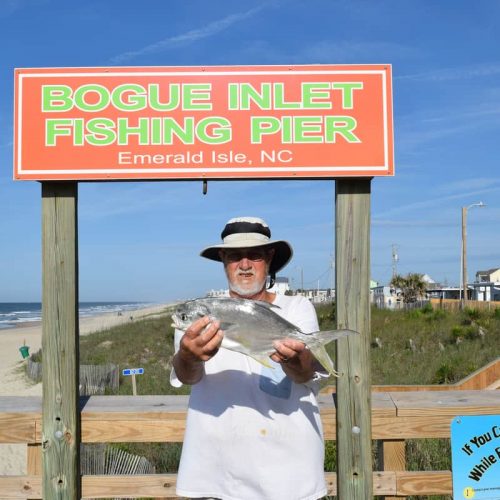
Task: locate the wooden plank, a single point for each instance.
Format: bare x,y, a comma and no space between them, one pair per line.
133,431
21,405
424,483
154,485
60,342
15,487
450,403
160,485
128,408
150,485
391,457
384,483
18,417
17,428
34,459
352,257
112,418
411,428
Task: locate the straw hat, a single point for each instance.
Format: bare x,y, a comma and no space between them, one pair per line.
248,232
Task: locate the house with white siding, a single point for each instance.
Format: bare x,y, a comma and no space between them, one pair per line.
487,285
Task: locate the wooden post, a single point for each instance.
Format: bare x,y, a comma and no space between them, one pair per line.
353,398
60,412
34,467
391,457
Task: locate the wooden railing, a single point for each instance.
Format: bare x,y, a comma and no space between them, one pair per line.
486,377
396,416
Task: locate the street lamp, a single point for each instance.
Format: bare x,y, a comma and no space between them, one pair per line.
464,249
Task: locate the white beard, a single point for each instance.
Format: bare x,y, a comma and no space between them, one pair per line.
247,290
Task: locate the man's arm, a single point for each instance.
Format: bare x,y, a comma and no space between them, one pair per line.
200,342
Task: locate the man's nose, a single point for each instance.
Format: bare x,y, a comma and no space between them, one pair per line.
245,263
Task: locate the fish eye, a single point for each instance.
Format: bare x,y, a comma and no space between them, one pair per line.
184,317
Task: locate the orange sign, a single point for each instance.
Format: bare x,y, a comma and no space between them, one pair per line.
203,122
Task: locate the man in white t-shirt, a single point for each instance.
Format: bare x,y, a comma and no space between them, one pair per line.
252,432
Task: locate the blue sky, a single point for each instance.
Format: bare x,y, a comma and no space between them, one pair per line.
140,241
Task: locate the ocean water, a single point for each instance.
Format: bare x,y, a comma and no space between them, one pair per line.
16,313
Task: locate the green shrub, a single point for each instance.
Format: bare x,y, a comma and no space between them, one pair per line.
456,332
472,313
436,315
415,313
427,309
471,332
445,374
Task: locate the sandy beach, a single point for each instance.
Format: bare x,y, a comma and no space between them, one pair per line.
14,382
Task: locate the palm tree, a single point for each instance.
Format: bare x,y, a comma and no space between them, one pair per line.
412,286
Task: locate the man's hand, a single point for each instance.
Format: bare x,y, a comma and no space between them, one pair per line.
200,342
295,358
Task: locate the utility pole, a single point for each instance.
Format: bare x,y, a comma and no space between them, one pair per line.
464,249
464,256
395,259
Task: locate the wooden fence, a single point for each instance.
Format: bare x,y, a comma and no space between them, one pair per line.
456,305
94,379
395,417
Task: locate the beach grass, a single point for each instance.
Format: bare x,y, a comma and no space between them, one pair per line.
426,346
445,347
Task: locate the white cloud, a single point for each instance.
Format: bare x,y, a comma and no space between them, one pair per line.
450,74
191,36
468,195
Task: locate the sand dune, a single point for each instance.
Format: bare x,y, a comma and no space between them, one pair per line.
12,376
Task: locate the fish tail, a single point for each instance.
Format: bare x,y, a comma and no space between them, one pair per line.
321,354
316,343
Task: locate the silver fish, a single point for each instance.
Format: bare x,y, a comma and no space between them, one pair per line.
251,326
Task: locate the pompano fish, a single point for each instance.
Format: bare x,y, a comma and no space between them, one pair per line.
250,327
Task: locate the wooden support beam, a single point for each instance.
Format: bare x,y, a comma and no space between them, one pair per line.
391,457
34,459
352,257
399,484
60,415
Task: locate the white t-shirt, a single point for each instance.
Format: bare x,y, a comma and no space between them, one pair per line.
252,433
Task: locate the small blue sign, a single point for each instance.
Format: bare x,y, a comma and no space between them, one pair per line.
133,371
475,453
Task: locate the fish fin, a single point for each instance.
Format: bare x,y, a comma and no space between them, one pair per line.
316,342
323,357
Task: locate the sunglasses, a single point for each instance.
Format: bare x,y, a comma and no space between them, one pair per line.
237,255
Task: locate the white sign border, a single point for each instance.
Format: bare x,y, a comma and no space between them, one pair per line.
228,170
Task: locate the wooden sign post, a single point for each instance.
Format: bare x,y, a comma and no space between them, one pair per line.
133,372
60,343
352,255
